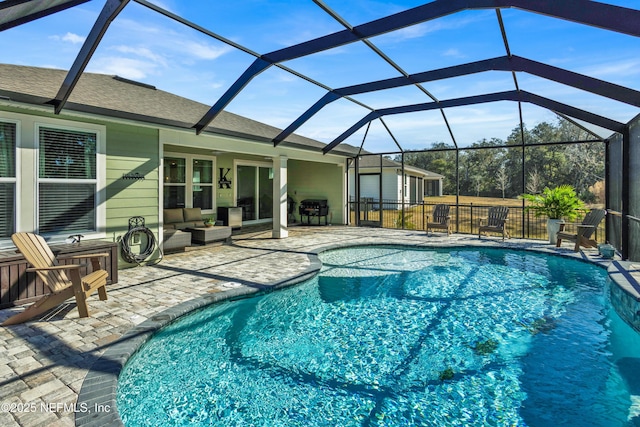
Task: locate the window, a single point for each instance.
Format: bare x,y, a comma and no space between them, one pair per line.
188,182
67,181
7,178
175,182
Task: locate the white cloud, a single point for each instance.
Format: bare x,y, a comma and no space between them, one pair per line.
70,38
626,68
124,67
142,52
436,25
73,38
204,51
452,52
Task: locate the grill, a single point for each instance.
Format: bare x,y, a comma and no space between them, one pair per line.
313,207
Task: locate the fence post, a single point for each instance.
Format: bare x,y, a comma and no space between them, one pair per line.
471,220
523,214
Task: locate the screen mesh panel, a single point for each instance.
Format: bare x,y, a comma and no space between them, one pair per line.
614,196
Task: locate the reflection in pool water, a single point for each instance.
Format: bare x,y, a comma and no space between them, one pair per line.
398,336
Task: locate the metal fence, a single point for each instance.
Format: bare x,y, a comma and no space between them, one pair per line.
465,218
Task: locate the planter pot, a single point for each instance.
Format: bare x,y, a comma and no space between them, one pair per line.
607,251
553,226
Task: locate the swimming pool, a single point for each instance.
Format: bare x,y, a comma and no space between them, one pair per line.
399,336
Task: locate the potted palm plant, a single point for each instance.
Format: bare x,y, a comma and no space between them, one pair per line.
557,204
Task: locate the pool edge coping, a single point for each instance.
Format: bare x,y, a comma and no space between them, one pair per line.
98,392
99,388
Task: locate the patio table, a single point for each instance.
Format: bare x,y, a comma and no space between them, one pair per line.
204,235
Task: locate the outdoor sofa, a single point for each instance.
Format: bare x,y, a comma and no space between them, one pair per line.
181,224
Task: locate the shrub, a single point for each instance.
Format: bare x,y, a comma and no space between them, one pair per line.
557,203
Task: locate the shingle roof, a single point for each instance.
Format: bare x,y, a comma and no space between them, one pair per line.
112,96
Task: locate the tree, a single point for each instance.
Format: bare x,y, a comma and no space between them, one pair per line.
502,179
478,180
534,182
439,159
480,162
496,161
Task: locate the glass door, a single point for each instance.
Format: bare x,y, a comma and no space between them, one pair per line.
370,199
265,192
255,191
202,188
246,198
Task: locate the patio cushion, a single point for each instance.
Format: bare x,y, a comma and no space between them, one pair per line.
192,215
175,240
172,216
183,225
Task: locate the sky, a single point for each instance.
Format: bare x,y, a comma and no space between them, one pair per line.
145,46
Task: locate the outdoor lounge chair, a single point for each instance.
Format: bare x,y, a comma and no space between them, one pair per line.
441,218
584,230
495,222
62,286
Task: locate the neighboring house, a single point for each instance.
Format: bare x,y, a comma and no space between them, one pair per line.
121,149
382,177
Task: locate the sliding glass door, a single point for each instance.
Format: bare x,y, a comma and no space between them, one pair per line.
254,192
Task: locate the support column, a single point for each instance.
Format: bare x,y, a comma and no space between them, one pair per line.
280,205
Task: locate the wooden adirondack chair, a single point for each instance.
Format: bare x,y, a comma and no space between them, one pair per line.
584,230
441,218
62,286
495,222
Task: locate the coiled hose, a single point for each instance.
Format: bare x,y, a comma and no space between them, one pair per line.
145,252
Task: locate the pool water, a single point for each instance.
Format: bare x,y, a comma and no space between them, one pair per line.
395,336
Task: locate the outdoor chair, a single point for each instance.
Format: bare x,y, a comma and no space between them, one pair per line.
62,286
495,222
584,230
441,219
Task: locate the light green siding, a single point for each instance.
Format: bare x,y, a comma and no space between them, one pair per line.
132,150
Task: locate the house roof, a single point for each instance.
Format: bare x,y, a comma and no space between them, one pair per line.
366,162
116,97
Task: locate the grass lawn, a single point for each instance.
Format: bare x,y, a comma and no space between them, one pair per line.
485,201
481,201
470,209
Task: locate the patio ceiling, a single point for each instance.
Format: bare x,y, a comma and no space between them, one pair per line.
397,77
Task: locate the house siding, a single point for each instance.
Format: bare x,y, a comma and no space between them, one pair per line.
391,186
132,150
